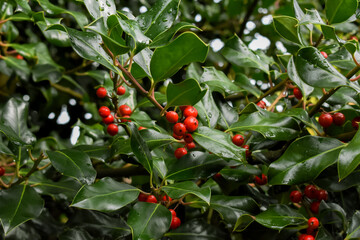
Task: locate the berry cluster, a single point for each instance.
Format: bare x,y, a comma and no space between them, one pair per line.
312,193
182,130
124,111
175,221
238,140
313,224
326,119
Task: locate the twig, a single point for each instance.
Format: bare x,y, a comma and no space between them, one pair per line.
66,90
272,90
319,40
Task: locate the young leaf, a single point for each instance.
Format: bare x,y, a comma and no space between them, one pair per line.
19,204
105,195
169,59
287,27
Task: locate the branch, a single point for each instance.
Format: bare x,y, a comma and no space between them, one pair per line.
271,90
66,90
32,170
247,17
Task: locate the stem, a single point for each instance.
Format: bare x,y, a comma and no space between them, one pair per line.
32,170
272,90
66,90
319,40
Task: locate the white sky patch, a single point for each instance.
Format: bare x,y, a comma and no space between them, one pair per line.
143,9
250,25
266,20
217,1
253,82
88,116
64,116
279,45
26,98
263,10
126,9
216,44
198,18
260,42
72,102
279,108
75,135
51,115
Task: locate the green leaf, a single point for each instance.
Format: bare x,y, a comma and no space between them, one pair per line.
19,204
159,17
316,71
140,148
105,195
155,139
295,77
187,92
237,53
219,82
312,17
219,143
73,233
304,160
19,66
299,14
353,231
242,173
142,59
14,118
349,157
149,221
95,152
4,149
287,27
185,49
338,11
243,81
270,125
195,165
100,8
280,216
53,9
73,163
181,189
208,112
228,114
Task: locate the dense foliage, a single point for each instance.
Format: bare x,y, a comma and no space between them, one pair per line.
271,144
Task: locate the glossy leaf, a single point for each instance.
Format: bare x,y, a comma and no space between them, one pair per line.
95,152
299,14
312,17
295,77
155,139
19,66
242,173
187,92
195,165
13,120
237,53
140,148
280,216
74,233
178,190
242,80
219,82
304,160
142,59
315,70
349,157
185,49
270,125
208,112
105,195
353,231
4,149
148,220
19,204
219,143
121,146
100,8
159,17
287,27
73,163
338,11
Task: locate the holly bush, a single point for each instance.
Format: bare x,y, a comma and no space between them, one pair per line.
240,117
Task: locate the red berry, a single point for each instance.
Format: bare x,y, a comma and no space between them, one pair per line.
298,93
172,117
262,180
166,198
308,237
238,140
324,54
175,223
339,118
190,145
121,90
179,129
177,136
125,119
19,57
261,104
314,207
302,236
109,119
112,129
247,152
313,223
191,123
188,138
173,213
2,171
180,152
322,195
355,122
142,197
104,111
141,128
190,111
151,199
217,176
325,120
354,38
295,196
125,110
101,92
310,191
182,108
